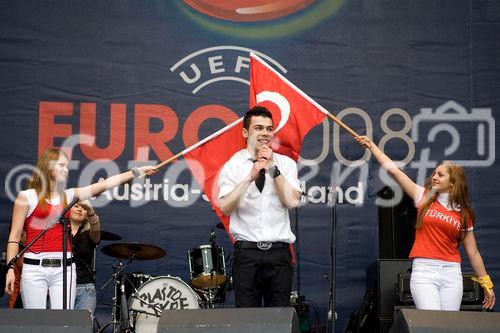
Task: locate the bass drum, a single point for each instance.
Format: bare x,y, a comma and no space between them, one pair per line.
158,294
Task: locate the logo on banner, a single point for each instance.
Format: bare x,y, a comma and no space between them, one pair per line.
212,65
447,122
265,20
247,10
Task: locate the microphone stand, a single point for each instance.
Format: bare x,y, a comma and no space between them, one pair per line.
65,222
333,263
297,255
13,261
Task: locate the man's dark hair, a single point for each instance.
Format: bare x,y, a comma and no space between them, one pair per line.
254,112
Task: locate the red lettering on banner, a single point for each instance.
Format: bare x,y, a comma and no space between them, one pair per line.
154,126
48,129
143,138
190,132
116,133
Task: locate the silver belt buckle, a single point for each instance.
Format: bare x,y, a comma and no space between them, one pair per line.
264,245
51,263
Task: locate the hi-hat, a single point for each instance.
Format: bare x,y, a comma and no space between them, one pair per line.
133,250
108,235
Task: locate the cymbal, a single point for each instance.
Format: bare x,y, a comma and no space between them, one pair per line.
133,250
108,235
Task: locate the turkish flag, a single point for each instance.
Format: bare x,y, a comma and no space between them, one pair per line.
207,160
294,114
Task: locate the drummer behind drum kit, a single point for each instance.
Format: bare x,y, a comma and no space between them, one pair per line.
139,299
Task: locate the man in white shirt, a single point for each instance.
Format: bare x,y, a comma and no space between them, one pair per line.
256,188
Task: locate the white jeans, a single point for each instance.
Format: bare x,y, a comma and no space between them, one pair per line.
36,280
436,284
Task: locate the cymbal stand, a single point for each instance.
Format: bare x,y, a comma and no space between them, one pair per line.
118,279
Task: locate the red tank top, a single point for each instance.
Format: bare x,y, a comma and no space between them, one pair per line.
51,241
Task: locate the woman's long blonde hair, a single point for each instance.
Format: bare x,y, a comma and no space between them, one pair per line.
42,174
458,195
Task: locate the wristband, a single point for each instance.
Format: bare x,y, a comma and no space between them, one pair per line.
484,281
135,171
274,172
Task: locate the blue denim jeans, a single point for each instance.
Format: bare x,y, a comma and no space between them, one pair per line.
86,297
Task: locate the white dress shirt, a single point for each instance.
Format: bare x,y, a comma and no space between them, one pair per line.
259,216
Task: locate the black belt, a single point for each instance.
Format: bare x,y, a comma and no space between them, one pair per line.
260,245
47,262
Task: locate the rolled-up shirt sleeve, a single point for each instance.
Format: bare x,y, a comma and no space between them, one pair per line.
288,169
226,181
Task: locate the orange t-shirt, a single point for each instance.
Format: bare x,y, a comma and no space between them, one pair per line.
438,236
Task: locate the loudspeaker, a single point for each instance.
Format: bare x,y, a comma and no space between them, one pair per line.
53,321
427,321
396,226
241,320
387,284
472,291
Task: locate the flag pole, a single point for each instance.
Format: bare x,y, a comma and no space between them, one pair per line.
199,143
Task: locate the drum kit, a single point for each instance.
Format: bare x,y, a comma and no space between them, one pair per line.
139,299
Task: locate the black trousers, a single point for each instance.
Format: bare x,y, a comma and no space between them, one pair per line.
260,275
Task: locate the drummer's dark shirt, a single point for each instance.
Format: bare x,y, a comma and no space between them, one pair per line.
83,252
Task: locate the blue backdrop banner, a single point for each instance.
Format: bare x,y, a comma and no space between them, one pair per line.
119,84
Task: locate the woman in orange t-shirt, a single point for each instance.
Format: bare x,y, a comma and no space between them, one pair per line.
445,220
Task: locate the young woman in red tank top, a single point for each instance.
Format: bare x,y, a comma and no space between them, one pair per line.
38,207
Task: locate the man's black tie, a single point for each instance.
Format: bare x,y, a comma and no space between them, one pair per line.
261,179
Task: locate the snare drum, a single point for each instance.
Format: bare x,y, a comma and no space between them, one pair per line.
158,294
207,266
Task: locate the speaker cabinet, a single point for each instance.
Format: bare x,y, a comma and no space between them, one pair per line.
427,321
241,320
387,284
53,321
396,226
472,291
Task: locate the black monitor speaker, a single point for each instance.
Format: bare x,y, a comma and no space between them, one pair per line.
429,321
220,320
53,321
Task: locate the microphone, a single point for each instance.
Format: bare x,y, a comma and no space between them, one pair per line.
263,171
71,204
65,211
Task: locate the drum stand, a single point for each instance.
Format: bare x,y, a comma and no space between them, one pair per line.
118,278
212,293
